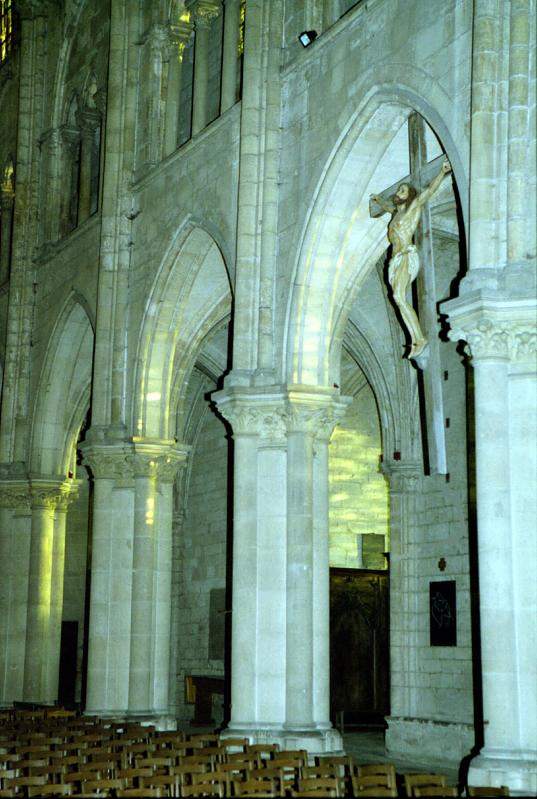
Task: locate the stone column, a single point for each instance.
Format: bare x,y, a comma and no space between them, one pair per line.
204,12
88,121
230,60
45,590
109,634
403,481
503,345
7,196
15,524
179,36
155,467
62,502
280,637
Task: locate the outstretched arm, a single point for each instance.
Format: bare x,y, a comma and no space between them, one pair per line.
387,206
434,185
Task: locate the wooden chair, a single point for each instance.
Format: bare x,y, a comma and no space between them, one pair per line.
93,786
258,787
413,781
318,786
249,759
167,783
59,789
369,790
205,785
264,751
436,790
140,792
384,770
290,754
483,790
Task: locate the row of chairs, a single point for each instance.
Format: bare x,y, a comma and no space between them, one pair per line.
52,752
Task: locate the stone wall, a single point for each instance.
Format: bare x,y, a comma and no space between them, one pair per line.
204,542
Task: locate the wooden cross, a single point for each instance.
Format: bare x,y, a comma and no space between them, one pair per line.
429,381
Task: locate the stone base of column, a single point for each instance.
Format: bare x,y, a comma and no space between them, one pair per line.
516,770
164,722
428,740
317,741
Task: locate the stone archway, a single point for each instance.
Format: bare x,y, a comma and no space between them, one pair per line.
31,658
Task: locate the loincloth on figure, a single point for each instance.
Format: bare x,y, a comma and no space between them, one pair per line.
409,256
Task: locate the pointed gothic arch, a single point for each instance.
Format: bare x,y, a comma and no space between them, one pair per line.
340,242
64,389
191,295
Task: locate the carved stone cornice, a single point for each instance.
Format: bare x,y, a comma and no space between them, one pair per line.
495,330
204,11
28,9
158,460
15,494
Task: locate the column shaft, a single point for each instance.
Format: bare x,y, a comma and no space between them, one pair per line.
321,587
498,634
201,79
56,602
39,599
230,57
244,599
110,599
15,525
299,697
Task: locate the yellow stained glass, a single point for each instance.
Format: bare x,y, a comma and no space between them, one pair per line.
6,29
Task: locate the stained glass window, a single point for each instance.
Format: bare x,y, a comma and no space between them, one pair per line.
6,29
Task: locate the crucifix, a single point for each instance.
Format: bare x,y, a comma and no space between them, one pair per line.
408,202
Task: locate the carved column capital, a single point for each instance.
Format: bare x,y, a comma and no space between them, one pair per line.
158,460
494,329
180,33
7,191
52,494
402,476
272,416
314,413
204,11
88,120
107,461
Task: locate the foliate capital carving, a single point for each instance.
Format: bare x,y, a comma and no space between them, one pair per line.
204,11
495,328
492,340
267,420
180,33
273,417
159,461
315,416
88,119
402,476
107,462
52,494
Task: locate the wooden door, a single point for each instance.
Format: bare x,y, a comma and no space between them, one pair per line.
359,646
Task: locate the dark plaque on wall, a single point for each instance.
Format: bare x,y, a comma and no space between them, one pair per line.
443,613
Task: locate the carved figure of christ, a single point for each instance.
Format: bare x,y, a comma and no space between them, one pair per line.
408,202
